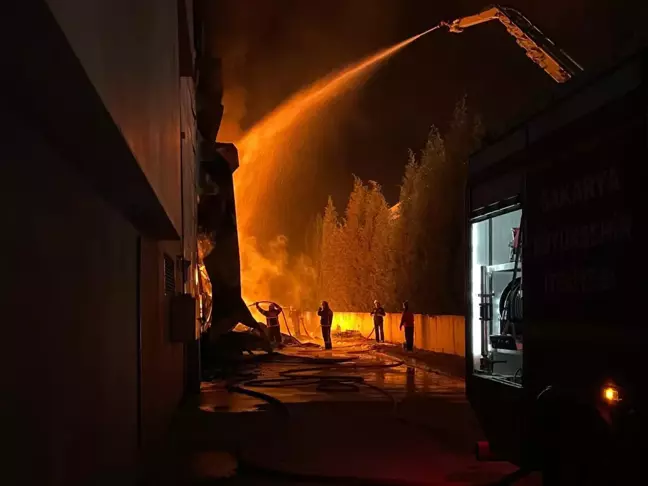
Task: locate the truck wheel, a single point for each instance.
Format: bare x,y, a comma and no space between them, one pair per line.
575,446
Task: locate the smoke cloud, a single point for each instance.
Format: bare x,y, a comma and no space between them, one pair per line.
234,97
271,49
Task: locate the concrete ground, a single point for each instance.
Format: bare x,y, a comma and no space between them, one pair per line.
446,364
379,422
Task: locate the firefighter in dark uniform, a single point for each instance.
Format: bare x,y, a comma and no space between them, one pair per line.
272,319
378,314
326,320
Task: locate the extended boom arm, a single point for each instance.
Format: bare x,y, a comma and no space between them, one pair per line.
539,48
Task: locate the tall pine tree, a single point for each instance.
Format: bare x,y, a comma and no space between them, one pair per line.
331,275
429,235
377,235
353,255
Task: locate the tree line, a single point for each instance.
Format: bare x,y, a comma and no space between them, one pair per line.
413,251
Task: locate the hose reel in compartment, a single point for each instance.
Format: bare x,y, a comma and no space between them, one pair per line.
510,308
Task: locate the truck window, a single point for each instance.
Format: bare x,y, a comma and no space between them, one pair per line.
496,296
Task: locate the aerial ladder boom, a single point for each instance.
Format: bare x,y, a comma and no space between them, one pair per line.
539,48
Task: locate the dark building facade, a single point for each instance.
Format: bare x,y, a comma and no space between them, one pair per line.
98,198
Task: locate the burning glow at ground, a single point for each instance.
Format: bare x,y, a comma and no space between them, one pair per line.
361,323
263,149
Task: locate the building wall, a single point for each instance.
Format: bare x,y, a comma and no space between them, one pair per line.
72,359
162,361
441,334
129,49
86,358
189,180
69,311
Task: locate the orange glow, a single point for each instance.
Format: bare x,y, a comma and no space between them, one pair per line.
262,151
611,394
351,321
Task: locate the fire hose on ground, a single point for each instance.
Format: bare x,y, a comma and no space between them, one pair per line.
324,383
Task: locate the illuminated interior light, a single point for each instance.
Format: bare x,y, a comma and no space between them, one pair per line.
476,289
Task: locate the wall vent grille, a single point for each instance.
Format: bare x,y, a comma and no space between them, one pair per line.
169,276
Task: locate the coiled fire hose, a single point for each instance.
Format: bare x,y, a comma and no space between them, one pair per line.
311,376
325,382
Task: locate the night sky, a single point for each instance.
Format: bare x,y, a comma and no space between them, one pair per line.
271,48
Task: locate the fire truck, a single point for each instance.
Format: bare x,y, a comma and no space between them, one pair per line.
555,335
